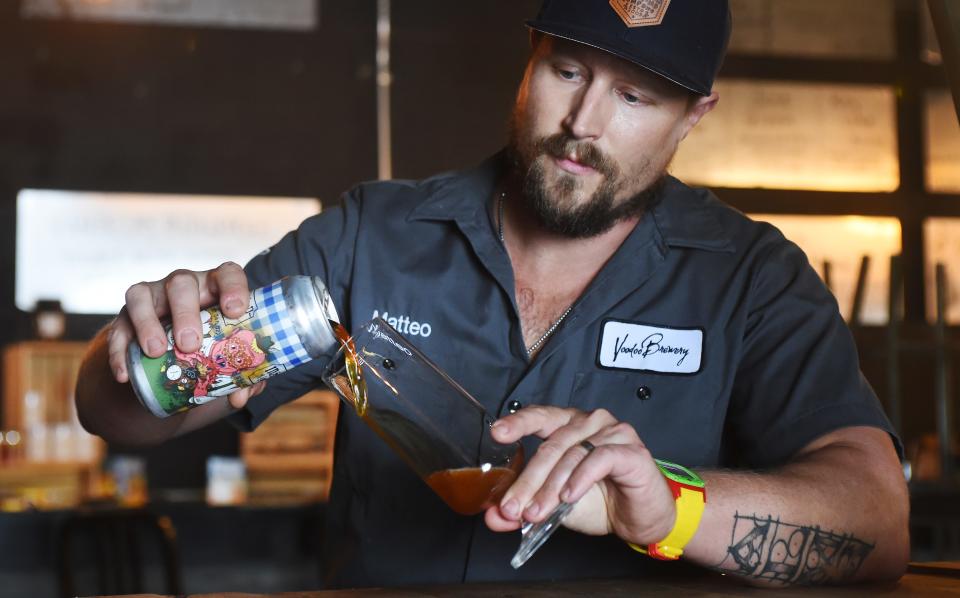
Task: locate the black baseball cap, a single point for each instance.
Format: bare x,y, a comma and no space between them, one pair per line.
681,40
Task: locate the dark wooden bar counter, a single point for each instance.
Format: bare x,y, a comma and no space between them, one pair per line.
923,579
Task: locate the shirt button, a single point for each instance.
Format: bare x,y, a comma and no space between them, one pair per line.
514,406
644,393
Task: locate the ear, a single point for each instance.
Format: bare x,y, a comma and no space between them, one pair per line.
697,110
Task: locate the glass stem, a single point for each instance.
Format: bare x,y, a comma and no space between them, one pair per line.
533,535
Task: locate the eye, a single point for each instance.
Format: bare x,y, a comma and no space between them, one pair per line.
566,74
631,99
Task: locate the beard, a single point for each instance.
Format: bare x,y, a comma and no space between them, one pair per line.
557,208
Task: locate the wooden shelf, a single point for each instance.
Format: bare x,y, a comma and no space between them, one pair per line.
289,458
48,369
55,460
45,485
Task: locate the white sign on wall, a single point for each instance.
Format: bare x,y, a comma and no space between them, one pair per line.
786,135
264,14
86,248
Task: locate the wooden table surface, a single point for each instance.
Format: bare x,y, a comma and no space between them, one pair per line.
924,579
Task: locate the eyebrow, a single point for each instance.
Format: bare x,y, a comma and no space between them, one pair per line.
625,70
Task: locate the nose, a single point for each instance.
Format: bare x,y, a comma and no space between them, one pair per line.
589,113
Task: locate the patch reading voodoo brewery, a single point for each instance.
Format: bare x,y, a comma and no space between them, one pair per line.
651,348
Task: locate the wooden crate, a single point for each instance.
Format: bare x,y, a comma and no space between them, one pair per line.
26,485
39,378
56,462
289,457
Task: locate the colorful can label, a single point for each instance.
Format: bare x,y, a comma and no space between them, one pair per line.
234,353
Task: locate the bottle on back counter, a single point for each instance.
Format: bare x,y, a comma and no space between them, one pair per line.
288,323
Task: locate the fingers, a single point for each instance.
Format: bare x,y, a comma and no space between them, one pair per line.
534,420
239,398
180,295
546,497
229,281
620,455
119,336
182,288
590,465
562,442
145,303
498,523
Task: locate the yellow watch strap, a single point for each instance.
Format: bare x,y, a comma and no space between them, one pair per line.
690,506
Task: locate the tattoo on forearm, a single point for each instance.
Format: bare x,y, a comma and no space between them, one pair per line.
768,549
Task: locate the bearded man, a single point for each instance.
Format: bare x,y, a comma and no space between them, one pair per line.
607,313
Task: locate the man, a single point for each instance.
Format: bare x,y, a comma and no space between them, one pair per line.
589,300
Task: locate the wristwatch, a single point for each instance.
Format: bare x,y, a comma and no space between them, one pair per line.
690,493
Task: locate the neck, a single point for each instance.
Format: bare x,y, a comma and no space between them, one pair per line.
550,271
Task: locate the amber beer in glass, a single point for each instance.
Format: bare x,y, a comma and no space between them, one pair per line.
438,429
441,431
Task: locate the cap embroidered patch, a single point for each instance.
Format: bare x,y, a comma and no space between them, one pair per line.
640,13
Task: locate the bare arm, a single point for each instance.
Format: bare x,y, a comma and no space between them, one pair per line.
837,512
106,404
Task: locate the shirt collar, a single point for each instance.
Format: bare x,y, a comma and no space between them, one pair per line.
690,217
459,196
683,216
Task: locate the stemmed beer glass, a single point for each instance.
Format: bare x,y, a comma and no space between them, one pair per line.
434,425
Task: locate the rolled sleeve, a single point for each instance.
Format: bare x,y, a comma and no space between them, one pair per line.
799,376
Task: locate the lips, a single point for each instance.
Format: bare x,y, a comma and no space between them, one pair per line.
573,166
576,157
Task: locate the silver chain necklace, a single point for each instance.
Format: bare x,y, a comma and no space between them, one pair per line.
562,317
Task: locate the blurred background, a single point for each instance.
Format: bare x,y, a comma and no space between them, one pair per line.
137,136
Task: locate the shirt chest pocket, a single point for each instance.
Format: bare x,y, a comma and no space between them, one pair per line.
673,416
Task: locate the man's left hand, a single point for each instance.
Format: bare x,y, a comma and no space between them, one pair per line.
617,486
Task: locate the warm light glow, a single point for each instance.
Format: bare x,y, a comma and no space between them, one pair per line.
885,229
843,241
825,137
942,245
817,28
943,143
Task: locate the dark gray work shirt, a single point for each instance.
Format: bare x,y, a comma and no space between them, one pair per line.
708,332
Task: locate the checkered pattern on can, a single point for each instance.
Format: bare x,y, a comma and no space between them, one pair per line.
272,318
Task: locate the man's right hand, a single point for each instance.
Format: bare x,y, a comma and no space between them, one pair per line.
180,295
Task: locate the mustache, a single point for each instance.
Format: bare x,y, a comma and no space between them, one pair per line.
562,146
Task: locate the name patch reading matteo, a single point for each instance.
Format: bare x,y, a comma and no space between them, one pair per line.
624,345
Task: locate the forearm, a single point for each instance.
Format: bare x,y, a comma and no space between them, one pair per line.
824,518
110,409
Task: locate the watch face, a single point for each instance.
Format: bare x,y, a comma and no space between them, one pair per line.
679,473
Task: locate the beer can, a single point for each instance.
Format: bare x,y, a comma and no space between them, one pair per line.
288,323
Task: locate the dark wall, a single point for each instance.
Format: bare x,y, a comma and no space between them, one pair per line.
117,107
456,69
90,106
